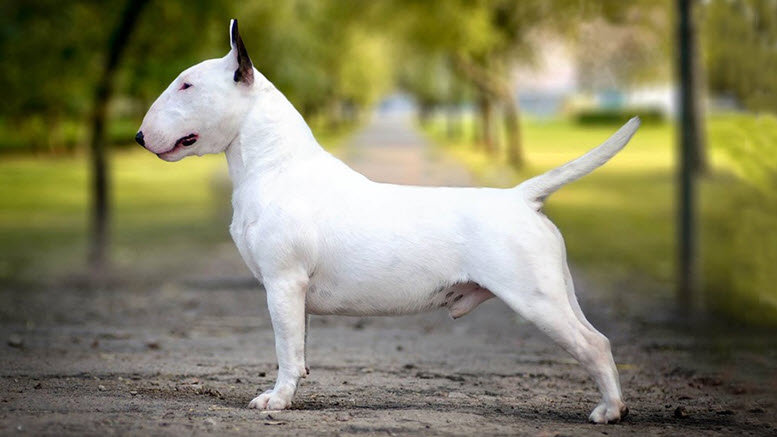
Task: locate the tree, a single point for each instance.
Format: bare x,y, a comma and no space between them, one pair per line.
484,40
117,43
152,60
740,37
622,51
426,78
690,127
48,70
446,33
323,55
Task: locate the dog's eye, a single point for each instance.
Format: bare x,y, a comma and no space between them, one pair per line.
184,86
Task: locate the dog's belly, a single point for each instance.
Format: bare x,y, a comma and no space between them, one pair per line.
377,300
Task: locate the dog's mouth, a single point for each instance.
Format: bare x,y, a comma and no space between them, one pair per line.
188,140
182,142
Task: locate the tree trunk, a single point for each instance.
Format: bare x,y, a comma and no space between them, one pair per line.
688,151
474,126
100,183
700,159
334,115
513,128
486,123
55,135
450,112
425,111
457,119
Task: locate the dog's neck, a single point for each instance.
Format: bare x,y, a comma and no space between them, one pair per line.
272,137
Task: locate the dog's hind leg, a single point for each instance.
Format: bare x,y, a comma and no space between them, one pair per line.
546,303
570,287
599,415
601,410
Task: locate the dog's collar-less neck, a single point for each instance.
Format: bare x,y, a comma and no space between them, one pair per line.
271,137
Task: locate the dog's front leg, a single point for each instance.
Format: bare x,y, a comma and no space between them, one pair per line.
286,301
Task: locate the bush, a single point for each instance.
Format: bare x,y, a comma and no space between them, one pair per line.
618,116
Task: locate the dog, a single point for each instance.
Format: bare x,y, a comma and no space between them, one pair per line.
323,239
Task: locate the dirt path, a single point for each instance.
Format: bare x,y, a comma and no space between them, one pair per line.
186,356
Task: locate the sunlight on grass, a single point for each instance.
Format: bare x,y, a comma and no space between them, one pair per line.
43,218
619,221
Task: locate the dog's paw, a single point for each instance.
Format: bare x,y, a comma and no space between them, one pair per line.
604,413
272,400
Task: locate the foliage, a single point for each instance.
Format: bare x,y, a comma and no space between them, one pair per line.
740,37
617,117
624,44
48,66
472,47
321,54
334,58
154,59
42,50
324,55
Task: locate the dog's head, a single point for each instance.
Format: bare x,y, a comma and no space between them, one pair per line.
202,110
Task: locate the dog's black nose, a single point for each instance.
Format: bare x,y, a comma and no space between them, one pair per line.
139,138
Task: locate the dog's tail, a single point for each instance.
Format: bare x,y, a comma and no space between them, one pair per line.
538,188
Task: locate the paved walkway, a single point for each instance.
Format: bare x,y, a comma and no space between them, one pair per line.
390,150
180,359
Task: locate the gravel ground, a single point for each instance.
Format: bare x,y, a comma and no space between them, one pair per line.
186,355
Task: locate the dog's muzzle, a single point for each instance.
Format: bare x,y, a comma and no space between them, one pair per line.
139,138
188,140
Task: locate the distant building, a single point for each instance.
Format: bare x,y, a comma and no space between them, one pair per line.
544,87
550,87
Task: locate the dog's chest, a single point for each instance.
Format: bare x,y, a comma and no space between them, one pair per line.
239,232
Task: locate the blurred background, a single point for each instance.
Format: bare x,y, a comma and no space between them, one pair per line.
508,89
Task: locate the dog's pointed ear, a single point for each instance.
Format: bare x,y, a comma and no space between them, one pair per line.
245,69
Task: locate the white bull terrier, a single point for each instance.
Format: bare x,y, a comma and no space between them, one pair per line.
323,239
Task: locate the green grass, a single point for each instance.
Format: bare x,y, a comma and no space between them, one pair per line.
161,213
43,212
619,221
